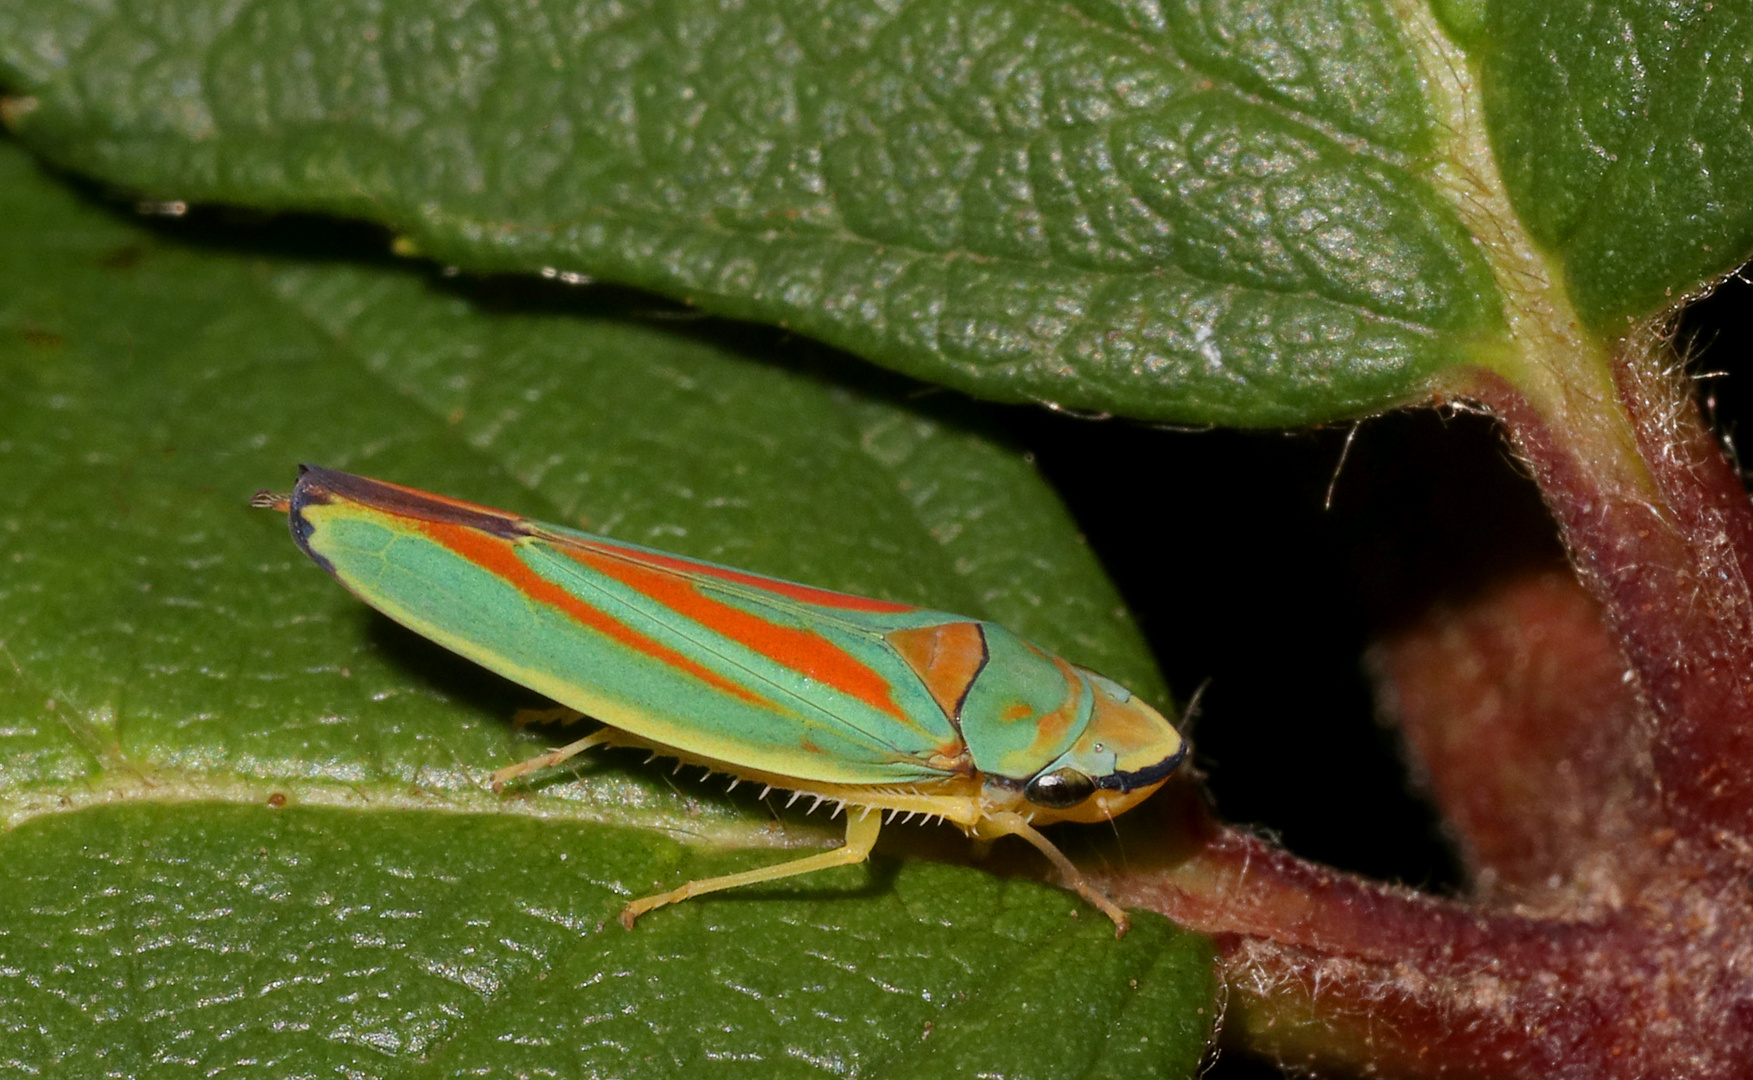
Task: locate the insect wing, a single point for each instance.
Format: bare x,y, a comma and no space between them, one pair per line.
817,654
757,673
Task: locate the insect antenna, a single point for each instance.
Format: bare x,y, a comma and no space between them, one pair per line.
1191,712
1119,841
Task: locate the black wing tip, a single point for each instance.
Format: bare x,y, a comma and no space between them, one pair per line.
319,485
304,494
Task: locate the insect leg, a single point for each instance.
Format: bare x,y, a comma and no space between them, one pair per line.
552,757
1007,821
861,836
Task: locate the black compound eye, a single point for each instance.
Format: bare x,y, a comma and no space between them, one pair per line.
1059,789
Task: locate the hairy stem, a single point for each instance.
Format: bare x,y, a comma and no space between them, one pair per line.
1330,971
1664,540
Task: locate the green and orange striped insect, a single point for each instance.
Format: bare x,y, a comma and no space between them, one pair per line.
870,704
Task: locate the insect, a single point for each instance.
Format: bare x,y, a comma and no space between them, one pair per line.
876,706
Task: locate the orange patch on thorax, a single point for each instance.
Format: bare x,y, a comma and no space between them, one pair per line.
1052,727
947,658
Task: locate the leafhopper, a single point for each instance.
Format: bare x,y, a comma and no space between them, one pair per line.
881,708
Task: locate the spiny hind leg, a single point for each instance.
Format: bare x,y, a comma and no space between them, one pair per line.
1008,821
861,836
501,777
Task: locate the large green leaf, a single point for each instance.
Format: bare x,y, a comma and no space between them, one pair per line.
248,826
217,940
1226,211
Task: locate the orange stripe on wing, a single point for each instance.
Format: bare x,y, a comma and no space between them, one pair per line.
496,556
808,594
801,651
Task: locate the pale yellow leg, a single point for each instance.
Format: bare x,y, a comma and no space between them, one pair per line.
861,836
553,757
1014,823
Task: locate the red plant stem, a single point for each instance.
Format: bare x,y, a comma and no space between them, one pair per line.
1329,970
1665,543
1237,883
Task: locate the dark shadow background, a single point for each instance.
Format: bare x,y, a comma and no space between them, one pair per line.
1243,575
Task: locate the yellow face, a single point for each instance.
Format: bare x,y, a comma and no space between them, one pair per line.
1127,751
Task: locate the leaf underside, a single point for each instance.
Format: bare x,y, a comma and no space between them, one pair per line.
1198,211
1245,212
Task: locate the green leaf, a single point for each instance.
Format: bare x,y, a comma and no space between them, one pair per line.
1626,141
1227,211
247,816
152,940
